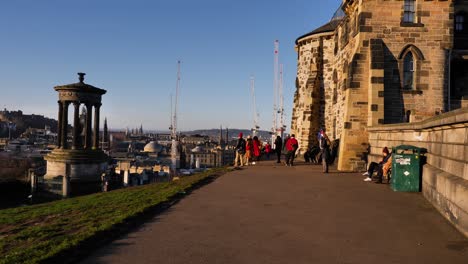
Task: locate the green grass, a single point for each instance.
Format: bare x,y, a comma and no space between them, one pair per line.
35,234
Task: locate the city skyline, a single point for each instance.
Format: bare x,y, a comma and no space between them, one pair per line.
132,49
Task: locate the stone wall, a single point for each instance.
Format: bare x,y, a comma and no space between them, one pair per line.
429,39
350,78
308,99
445,176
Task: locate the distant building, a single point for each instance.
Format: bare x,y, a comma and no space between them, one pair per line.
15,123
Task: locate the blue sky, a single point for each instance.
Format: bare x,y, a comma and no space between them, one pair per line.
131,48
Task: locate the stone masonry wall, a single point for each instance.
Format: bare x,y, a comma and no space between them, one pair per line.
357,71
431,34
445,176
307,99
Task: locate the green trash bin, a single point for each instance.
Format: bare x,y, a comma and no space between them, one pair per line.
407,164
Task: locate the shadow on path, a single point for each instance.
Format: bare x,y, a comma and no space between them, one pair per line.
277,214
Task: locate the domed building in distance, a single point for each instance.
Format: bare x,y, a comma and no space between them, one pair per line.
153,148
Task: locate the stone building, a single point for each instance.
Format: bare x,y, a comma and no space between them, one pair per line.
379,62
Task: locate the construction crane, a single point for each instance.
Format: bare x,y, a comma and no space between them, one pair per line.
176,102
254,106
171,127
175,157
281,128
275,90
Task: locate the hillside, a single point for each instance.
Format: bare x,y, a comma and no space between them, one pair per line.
22,122
233,133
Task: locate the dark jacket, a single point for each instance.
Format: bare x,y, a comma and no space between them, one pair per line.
278,144
385,159
240,145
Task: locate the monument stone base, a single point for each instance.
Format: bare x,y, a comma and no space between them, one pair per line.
83,168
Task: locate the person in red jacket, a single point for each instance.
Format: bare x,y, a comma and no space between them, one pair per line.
248,151
291,147
256,150
267,150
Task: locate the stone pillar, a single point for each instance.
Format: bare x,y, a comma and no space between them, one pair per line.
376,83
89,115
126,178
76,126
66,186
33,182
59,125
64,124
96,126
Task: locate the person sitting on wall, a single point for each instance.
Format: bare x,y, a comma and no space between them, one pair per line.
386,170
374,166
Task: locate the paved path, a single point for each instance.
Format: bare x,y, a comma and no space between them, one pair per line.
276,214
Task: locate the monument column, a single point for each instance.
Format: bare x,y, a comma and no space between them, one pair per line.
82,162
89,116
59,125
97,108
76,126
65,124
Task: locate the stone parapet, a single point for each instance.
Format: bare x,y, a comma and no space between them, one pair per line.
445,175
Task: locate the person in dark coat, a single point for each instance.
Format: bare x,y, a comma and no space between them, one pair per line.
240,151
278,148
324,144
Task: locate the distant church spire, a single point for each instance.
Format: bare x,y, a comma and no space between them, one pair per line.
106,132
221,141
105,139
227,135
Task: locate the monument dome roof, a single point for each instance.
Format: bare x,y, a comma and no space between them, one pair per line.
80,87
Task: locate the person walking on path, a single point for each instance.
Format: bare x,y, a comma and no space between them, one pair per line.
267,150
278,148
324,149
240,151
384,164
256,150
286,141
291,147
248,150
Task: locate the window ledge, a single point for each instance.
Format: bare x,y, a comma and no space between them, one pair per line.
404,91
411,24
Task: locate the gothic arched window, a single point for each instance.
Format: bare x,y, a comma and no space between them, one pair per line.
409,13
408,71
460,23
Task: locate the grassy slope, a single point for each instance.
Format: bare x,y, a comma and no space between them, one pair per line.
35,233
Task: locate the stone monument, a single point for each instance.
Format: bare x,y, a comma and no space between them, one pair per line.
79,162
